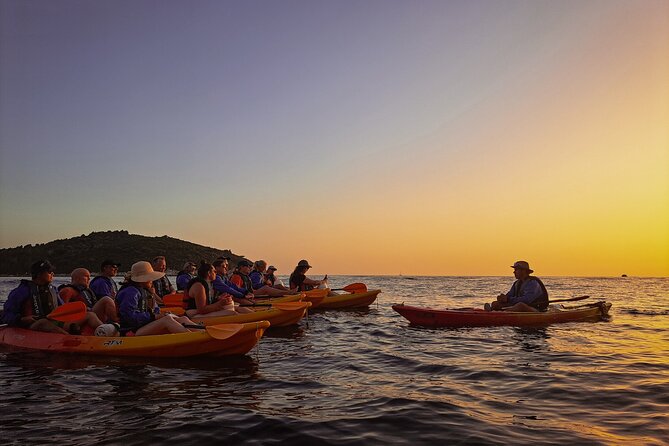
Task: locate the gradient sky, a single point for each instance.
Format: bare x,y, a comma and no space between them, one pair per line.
370,137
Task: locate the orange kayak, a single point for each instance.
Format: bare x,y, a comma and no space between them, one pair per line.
474,317
219,340
350,300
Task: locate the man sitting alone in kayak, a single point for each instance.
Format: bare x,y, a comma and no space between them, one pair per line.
527,293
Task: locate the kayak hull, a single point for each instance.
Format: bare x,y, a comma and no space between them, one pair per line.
282,315
473,317
191,344
316,296
352,300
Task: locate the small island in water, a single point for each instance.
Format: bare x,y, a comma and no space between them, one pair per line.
88,251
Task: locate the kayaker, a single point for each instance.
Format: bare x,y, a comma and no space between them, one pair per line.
185,275
261,285
103,284
162,286
527,293
222,284
28,305
201,301
242,279
273,280
299,281
77,290
138,311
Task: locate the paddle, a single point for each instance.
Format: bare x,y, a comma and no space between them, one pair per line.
571,299
220,331
353,288
69,312
287,306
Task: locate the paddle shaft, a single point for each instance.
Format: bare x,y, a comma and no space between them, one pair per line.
571,299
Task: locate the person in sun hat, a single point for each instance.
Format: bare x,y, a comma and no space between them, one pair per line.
185,275
299,281
527,293
29,304
137,307
103,284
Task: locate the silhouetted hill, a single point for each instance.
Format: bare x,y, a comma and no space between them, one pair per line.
90,250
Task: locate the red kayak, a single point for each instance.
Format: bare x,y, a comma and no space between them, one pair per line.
474,317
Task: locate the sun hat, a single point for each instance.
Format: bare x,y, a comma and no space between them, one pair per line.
271,268
41,266
521,264
143,272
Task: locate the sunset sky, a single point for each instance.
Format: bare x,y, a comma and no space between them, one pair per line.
369,137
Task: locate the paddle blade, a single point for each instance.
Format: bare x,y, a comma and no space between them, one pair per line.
223,331
174,300
69,312
355,288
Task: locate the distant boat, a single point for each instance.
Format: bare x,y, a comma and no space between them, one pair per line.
624,275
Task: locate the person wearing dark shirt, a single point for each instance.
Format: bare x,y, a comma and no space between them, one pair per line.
161,286
299,281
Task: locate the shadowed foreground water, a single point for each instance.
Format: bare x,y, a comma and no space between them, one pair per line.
367,377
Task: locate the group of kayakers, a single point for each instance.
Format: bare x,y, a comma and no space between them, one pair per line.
133,309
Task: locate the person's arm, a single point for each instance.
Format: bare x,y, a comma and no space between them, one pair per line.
312,282
221,287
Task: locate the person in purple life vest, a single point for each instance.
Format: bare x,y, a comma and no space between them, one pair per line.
29,305
137,308
527,293
185,275
103,284
223,285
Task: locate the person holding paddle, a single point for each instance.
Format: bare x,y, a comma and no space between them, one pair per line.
31,303
527,293
200,297
300,282
222,284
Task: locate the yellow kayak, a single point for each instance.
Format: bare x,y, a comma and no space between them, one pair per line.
280,314
350,300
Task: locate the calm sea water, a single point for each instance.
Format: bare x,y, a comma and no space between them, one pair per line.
367,377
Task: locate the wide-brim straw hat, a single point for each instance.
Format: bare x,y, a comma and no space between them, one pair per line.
143,272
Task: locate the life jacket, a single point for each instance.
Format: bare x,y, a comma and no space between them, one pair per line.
162,286
245,280
111,283
541,302
190,302
144,297
255,273
179,274
86,293
13,307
